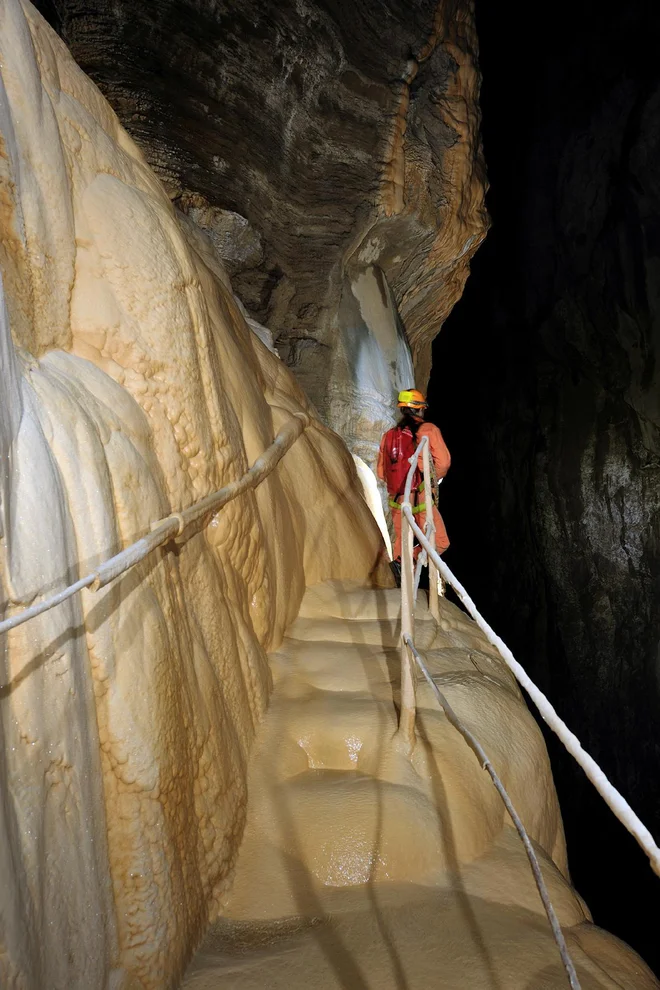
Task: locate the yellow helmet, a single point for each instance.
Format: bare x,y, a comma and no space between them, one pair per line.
411,398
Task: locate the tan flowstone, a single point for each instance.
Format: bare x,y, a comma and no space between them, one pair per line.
360,868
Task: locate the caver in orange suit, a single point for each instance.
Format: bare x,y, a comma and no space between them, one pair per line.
441,462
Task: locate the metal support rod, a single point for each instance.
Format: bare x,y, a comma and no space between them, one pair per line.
408,707
407,710
430,532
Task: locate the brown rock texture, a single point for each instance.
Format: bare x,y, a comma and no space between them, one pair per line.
340,136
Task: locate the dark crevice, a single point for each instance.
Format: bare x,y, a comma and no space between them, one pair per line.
545,384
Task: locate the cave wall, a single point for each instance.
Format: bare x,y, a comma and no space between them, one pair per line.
553,414
313,141
131,388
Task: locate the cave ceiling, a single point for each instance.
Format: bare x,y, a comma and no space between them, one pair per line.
308,138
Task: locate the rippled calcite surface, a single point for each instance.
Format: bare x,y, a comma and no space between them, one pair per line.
361,867
132,387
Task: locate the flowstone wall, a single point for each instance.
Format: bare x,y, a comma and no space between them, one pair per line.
132,387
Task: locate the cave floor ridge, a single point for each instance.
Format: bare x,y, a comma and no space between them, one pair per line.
361,868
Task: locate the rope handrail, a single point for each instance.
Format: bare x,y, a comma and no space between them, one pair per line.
409,582
612,797
486,765
172,526
408,707
407,713
407,710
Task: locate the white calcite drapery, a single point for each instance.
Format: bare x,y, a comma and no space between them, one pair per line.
131,387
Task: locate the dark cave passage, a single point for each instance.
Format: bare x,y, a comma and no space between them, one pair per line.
545,377
545,384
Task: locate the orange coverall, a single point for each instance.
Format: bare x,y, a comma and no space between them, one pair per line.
441,462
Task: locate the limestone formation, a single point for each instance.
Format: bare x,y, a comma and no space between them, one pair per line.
131,387
322,146
362,869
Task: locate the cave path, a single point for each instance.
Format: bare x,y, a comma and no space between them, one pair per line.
360,869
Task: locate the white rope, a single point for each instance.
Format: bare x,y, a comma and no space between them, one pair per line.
478,750
261,468
616,802
172,526
423,451
409,585
33,610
